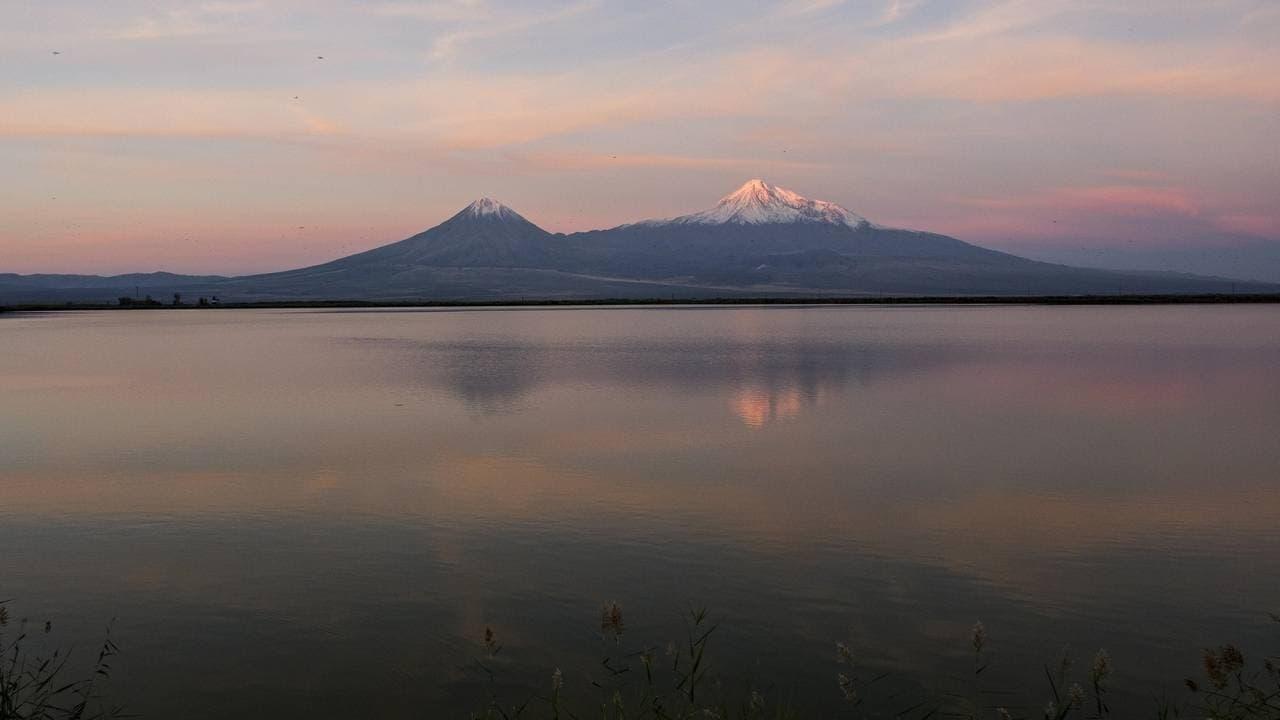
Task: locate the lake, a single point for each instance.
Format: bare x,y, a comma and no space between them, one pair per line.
309,513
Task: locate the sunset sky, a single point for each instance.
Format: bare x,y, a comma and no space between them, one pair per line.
212,137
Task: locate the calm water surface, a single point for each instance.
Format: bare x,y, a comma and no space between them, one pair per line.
310,513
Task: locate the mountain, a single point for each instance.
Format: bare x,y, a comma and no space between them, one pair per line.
46,288
129,281
485,234
1229,255
763,234
772,239
759,240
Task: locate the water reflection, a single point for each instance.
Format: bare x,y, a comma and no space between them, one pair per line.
488,377
762,379
301,489
758,406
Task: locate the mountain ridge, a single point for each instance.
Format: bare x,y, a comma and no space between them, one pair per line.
760,239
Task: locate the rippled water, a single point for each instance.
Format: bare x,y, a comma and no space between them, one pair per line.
310,513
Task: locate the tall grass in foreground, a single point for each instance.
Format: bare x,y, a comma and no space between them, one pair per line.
676,683
1234,690
37,686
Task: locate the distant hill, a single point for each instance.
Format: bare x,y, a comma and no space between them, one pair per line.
58,288
1227,255
132,280
759,240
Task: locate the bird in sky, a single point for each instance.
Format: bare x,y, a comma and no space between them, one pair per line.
57,52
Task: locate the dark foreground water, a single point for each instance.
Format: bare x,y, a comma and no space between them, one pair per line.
316,514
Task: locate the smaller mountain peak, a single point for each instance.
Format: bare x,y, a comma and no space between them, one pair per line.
486,206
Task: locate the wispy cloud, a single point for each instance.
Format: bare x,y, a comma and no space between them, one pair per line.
1121,109
577,160
805,7
185,21
1151,214
1263,225
1116,199
485,25
894,11
158,113
1030,69
445,11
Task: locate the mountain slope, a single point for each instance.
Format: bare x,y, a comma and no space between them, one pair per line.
486,233
439,262
763,234
759,240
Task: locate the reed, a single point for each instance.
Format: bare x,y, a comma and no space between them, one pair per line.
647,683
676,682
39,686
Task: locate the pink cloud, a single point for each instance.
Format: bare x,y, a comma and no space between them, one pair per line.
1014,69
1107,212
1110,199
1127,199
1137,175
1111,213
580,160
1267,226
208,114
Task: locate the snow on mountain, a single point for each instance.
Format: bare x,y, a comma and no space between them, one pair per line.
758,203
489,207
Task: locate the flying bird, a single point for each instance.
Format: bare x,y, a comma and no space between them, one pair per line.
57,52
319,57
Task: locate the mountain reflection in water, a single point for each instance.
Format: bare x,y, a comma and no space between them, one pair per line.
270,500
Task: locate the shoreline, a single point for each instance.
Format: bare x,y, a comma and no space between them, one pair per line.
1205,299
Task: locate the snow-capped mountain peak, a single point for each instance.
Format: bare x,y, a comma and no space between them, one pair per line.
758,203
487,206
